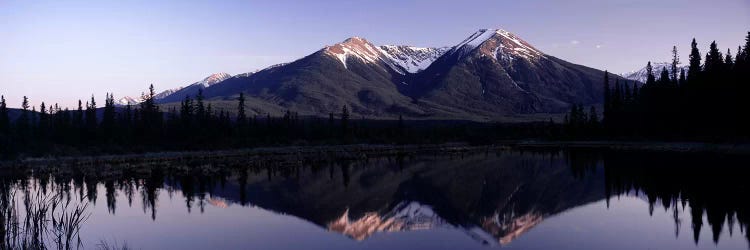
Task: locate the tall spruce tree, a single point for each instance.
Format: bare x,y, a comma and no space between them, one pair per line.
714,63
79,115
344,119
675,64
43,118
186,111
683,78
24,118
200,108
91,115
728,60
241,117
108,117
4,117
150,116
650,78
607,98
664,77
694,68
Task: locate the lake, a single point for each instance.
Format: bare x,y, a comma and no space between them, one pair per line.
509,199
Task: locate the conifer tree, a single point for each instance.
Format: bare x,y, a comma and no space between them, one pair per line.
607,97
593,117
4,117
682,79
728,60
200,108
43,117
650,78
128,116
664,78
23,120
344,119
108,118
241,118
694,68
91,115
675,64
714,60
79,115
186,111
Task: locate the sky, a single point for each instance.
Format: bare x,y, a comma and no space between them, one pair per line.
61,51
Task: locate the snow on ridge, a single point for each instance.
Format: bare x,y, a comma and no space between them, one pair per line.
354,47
499,44
474,40
213,79
641,74
409,58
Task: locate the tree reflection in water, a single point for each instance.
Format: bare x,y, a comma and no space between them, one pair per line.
495,197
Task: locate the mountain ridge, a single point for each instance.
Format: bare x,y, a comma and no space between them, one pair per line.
489,75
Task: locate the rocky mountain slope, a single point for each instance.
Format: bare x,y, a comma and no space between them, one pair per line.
491,75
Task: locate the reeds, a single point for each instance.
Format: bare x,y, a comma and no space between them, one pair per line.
47,220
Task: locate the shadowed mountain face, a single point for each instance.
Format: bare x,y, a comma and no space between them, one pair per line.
491,74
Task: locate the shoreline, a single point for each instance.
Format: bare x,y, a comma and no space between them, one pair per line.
632,146
360,151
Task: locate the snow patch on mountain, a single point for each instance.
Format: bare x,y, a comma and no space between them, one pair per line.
127,100
498,44
411,59
641,75
355,47
476,39
213,79
206,82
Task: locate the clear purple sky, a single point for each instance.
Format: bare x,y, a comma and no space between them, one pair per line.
62,51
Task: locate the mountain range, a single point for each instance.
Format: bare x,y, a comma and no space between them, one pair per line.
491,75
641,74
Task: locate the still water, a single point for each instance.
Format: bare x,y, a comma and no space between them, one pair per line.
505,199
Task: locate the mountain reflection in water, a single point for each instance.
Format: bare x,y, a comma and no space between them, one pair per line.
493,198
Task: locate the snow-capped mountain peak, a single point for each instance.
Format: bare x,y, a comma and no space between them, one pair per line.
497,43
356,47
127,100
213,79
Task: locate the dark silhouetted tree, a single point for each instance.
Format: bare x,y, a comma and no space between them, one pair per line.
241,117
714,63
682,80
108,117
344,119
694,68
675,64
24,118
4,117
607,98
650,78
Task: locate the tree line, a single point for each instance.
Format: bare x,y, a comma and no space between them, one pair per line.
708,101
195,124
